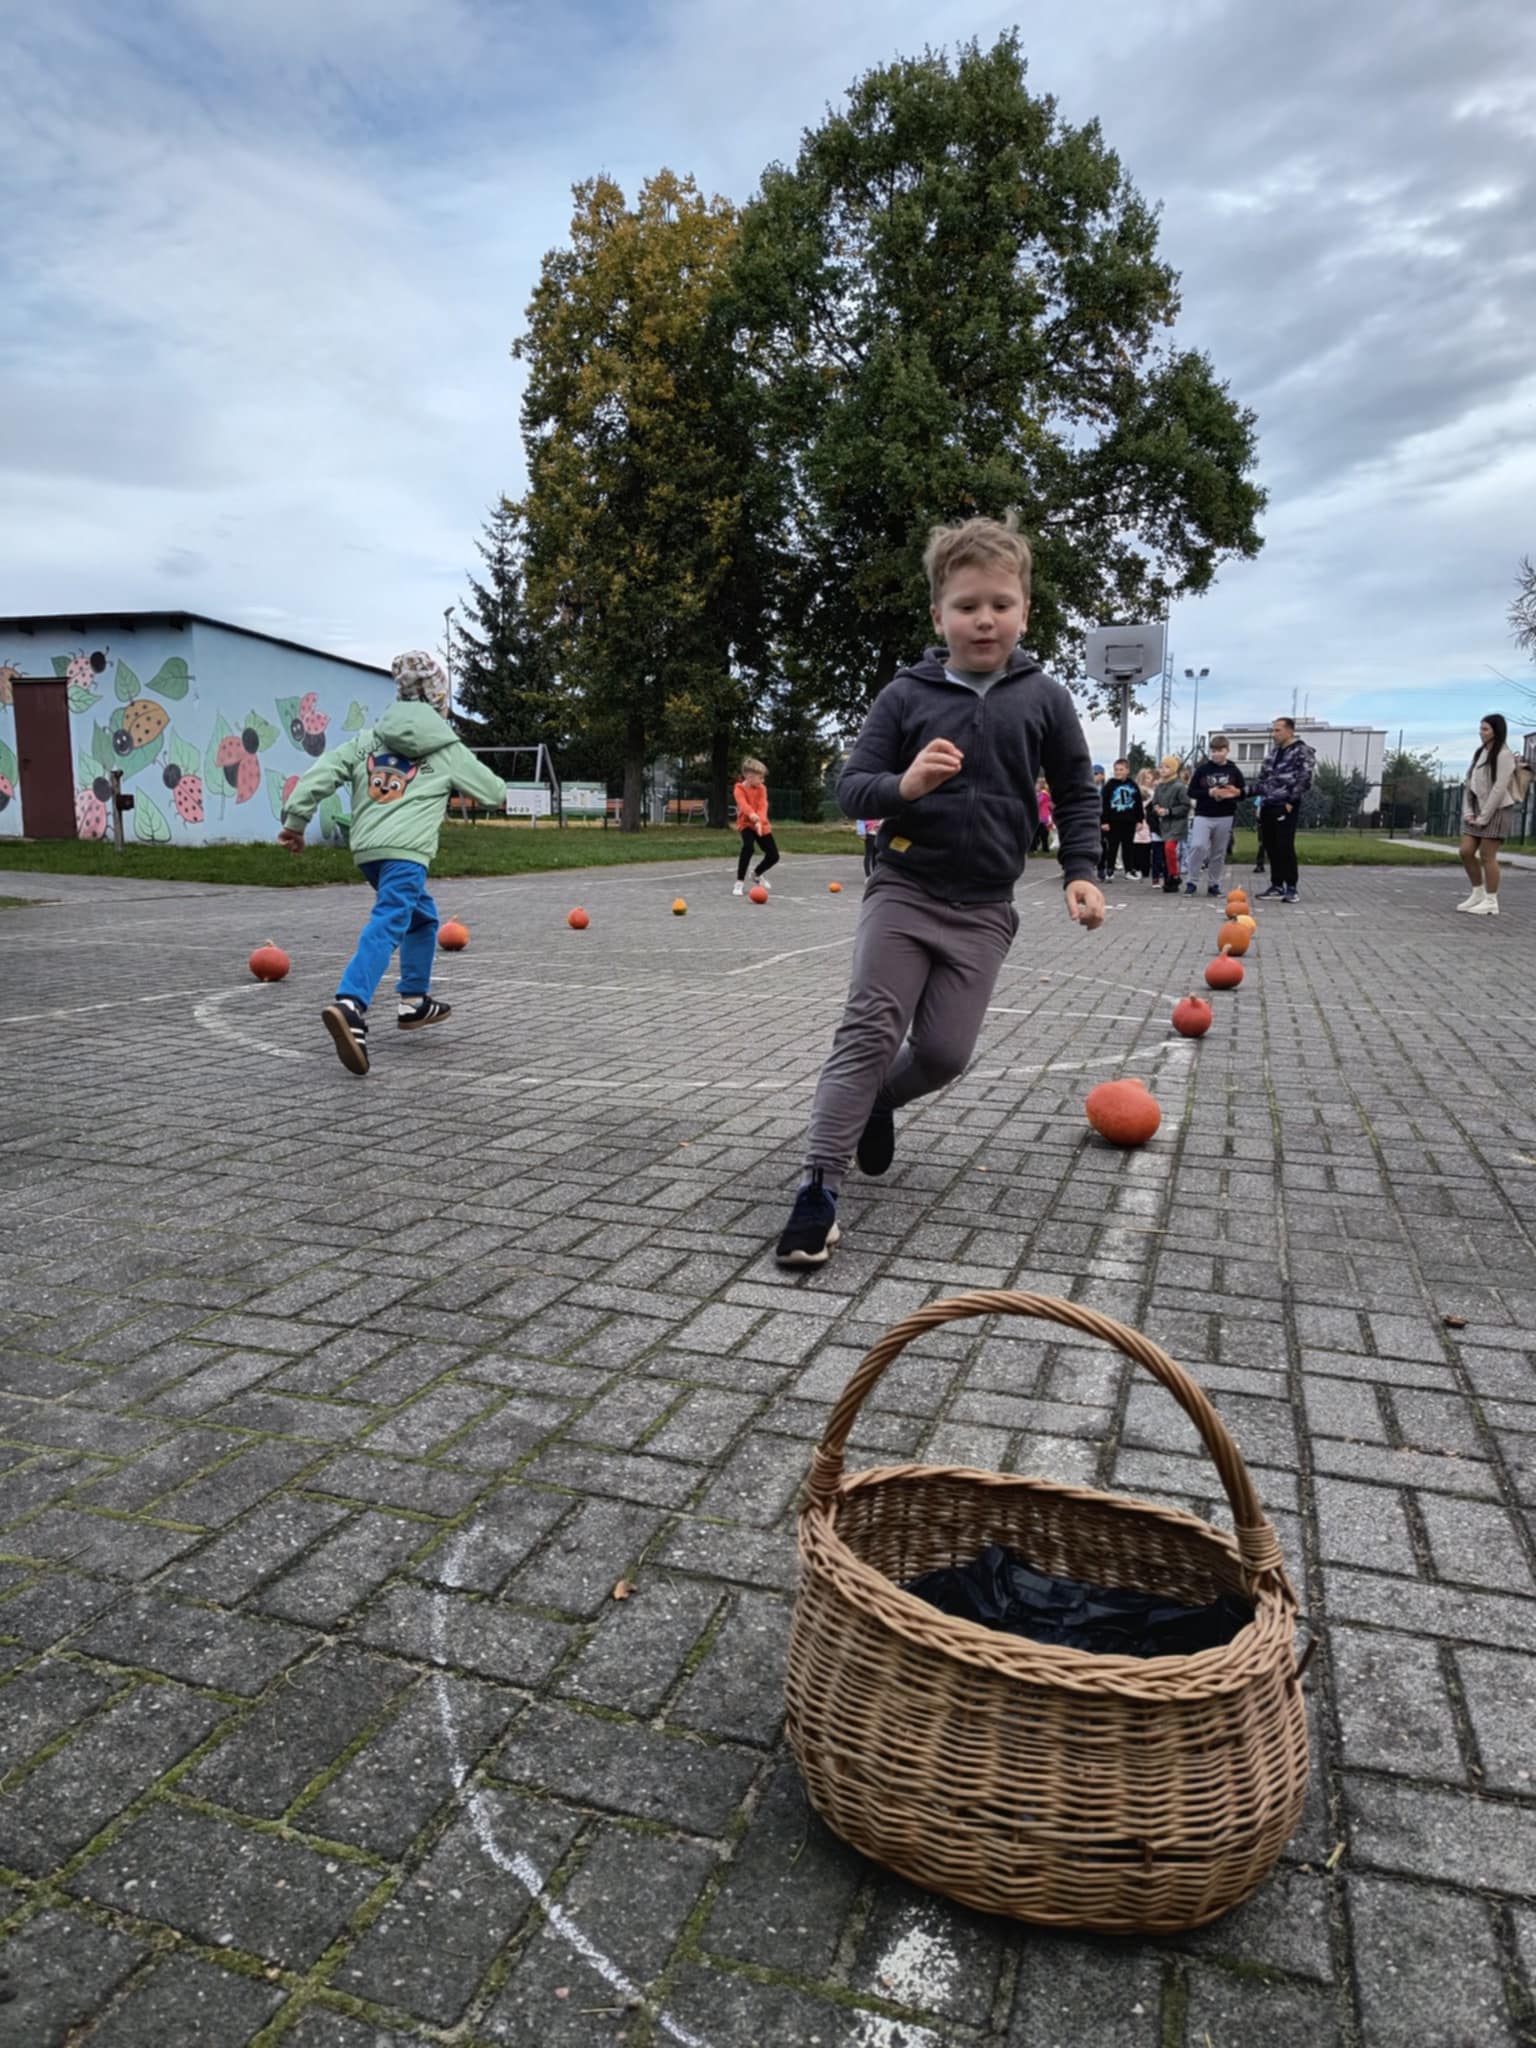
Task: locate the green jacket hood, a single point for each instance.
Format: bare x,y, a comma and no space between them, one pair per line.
414,730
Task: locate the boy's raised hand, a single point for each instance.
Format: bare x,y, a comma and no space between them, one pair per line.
938,761
1085,905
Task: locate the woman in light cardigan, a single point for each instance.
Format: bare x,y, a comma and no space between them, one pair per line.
1487,808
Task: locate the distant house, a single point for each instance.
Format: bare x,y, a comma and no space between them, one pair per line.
1351,749
208,724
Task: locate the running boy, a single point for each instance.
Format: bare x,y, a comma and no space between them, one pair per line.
948,758
752,824
401,776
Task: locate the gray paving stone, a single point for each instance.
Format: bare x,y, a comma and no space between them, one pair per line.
737,1690
788,1889
443,1928
1500,1691
69,1798
383,1797
261,1543
50,1609
1073,1989
638,1650
187,2003
395,1483
1428,1967
1245,2012
40,1704
275,1753
505,1528
479,1636
118,1549
60,1967
228,1886
1393,1706
1430,1610
1405,1468
576,1570
1366,1525
342,1569
1476,1843
1475,1542
628,1769
632,1895
199,1645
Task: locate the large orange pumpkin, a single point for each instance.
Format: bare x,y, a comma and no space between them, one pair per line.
1193,1017
269,962
1122,1112
1233,937
453,937
577,919
757,893
1224,972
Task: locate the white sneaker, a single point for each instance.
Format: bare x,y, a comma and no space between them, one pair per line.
1489,907
1479,891
762,882
740,889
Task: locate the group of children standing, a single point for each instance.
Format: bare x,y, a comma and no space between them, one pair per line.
1173,825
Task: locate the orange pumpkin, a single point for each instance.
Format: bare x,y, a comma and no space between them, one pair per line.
578,919
269,962
1193,1017
1224,972
758,893
453,937
1122,1112
1246,919
679,907
834,888
1237,899
1233,937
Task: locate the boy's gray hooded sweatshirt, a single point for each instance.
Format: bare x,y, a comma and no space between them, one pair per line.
965,842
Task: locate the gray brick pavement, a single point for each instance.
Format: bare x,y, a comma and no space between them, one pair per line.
332,1413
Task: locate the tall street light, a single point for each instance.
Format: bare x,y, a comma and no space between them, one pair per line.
1197,677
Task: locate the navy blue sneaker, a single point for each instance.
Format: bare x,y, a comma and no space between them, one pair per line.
811,1231
1189,888
1214,889
347,1021
1274,889
1289,895
877,1141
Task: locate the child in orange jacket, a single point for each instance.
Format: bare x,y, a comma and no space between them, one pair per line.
752,824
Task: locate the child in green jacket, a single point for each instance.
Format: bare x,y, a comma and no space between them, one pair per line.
401,776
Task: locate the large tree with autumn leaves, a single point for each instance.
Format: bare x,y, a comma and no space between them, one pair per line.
643,537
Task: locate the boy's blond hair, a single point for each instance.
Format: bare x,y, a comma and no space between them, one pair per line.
751,767
976,543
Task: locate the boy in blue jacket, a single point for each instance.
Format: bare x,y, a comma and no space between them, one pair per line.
947,760
401,776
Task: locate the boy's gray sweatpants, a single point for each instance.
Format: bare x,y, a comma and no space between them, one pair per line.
920,966
1209,839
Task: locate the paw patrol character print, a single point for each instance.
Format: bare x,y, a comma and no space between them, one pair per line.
389,777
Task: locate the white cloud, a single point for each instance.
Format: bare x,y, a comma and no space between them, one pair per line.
263,266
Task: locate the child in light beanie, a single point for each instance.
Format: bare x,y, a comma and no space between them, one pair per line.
401,775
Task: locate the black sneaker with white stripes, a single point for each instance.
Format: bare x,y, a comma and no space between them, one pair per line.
417,1013
347,1021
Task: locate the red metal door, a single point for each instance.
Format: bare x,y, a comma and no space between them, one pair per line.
45,757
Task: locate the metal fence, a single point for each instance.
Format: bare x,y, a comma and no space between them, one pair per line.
1445,812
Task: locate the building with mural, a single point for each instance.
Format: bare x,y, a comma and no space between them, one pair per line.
208,724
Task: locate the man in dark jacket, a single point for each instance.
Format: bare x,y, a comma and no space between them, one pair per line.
1284,780
1216,789
947,760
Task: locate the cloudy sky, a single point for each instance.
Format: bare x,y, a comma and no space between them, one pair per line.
262,261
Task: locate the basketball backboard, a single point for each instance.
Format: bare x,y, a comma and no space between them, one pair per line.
1121,655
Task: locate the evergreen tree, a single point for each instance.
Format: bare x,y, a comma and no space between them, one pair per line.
505,689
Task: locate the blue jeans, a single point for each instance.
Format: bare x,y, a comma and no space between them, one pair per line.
404,915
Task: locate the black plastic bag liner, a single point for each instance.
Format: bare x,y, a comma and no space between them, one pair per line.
1001,1591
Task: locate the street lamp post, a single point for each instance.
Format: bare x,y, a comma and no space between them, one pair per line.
1197,677
448,652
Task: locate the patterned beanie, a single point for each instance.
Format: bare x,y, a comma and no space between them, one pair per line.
420,678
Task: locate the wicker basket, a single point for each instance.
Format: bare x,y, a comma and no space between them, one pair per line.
1125,1794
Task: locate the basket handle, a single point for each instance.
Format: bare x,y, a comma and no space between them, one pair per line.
1256,1541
